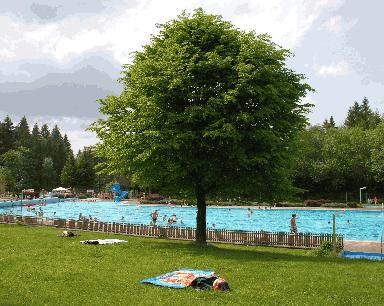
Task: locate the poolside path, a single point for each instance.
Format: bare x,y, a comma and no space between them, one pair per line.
362,246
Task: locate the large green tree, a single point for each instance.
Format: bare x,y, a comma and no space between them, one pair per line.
22,132
19,164
207,110
7,182
333,161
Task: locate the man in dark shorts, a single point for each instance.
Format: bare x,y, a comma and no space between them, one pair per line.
293,224
154,216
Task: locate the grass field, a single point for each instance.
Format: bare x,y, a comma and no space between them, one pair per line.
39,268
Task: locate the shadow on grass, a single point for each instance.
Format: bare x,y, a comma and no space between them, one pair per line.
244,253
223,251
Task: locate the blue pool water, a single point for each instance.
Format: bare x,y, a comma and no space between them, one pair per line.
362,225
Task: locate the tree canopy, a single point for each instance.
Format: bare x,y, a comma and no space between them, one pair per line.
207,110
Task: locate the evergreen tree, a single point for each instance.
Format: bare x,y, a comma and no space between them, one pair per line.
23,136
37,157
58,151
361,115
45,133
67,145
7,135
85,172
34,159
46,148
332,122
369,118
68,175
35,132
329,124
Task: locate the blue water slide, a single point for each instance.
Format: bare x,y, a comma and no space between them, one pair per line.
122,195
118,193
116,188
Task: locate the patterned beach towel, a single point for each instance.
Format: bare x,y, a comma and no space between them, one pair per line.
181,278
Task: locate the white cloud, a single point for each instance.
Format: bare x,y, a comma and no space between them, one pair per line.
339,25
123,31
335,69
80,139
334,24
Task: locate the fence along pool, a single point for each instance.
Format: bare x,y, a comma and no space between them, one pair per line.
263,238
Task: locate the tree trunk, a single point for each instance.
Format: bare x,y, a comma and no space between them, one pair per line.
201,233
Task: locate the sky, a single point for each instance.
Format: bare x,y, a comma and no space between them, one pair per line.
58,57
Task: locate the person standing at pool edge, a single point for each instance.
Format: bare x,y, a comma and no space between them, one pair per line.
293,224
154,216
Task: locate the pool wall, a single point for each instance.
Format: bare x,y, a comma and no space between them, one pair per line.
362,255
34,201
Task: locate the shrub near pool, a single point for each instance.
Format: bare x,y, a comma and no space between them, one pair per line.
39,268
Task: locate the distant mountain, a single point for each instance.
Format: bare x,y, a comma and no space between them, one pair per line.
64,94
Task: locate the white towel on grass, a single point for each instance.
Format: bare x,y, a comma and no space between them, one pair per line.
102,241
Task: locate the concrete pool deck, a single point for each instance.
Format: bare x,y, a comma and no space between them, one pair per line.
362,246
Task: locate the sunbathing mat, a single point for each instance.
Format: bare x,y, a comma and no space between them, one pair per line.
178,279
102,241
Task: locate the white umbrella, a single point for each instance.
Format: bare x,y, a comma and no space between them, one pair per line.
60,189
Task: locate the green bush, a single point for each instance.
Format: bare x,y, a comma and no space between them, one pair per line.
326,249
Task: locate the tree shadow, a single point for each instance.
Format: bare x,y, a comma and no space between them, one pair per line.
245,253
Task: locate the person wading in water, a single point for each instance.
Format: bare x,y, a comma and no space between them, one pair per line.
154,216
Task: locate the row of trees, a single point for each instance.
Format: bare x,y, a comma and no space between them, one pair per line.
333,160
41,159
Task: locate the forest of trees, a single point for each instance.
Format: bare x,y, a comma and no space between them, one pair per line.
330,160
41,159
335,162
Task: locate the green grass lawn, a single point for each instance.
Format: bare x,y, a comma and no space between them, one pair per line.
39,268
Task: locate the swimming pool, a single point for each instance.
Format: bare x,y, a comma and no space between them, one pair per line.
353,224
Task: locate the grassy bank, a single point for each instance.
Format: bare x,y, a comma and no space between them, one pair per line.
39,268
